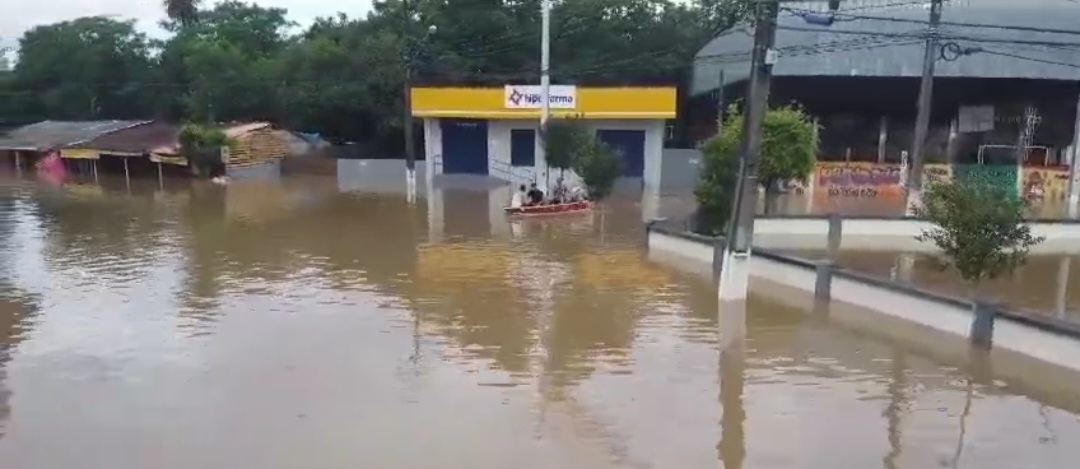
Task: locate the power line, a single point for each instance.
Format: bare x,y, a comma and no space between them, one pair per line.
923,35
1005,27
1030,59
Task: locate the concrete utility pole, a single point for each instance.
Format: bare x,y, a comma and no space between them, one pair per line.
407,120
545,76
734,276
922,119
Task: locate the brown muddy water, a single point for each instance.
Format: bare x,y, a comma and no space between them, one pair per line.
1046,283
290,325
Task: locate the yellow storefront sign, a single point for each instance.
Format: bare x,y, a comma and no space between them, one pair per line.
587,103
80,154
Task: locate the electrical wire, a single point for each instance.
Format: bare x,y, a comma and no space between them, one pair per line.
1005,27
924,35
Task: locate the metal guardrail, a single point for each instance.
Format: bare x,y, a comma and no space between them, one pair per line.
499,169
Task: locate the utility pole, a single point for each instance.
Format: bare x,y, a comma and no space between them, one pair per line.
407,118
762,61
734,275
922,119
545,77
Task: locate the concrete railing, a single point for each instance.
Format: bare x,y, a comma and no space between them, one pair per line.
823,282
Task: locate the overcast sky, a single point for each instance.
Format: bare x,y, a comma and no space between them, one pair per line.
16,16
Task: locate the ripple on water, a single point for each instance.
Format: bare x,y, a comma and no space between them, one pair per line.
341,332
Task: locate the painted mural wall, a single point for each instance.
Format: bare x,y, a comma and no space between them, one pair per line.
874,180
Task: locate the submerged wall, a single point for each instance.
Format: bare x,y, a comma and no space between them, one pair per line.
867,298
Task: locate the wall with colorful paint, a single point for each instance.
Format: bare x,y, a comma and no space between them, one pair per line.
877,180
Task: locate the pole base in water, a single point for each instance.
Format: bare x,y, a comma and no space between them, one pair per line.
734,276
410,185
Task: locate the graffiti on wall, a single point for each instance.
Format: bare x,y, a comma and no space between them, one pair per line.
872,180
1046,183
857,179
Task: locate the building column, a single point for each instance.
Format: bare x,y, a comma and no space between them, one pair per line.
950,147
432,149
1074,175
435,208
1064,270
883,138
650,203
654,151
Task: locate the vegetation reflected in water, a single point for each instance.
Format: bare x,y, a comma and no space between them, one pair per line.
290,325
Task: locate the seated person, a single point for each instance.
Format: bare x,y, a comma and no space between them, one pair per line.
535,195
560,194
519,198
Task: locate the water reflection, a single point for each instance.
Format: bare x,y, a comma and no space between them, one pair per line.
293,326
1046,283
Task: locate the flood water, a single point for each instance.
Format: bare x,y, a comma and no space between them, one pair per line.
1046,283
291,325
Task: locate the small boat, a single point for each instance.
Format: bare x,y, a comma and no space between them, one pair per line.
549,210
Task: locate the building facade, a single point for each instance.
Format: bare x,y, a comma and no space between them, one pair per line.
495,131
860,78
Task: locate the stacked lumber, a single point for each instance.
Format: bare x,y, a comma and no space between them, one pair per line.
254,144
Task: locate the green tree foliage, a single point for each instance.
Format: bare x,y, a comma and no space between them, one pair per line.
569,144
716,182
563,138
343,77
788,152
598,166
185,12
978,226
89,68
202,144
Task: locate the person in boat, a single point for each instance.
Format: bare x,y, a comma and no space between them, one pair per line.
535,195
560,194
577,194
518,200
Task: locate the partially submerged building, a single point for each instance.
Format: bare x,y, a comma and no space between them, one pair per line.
133,147
860,78
24,146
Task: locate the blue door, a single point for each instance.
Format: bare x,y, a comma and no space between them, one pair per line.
522,147
464,146
630,146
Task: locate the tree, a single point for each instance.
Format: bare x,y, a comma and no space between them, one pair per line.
185,12
342,77
598,166
563,138
788,152
978,226
88,68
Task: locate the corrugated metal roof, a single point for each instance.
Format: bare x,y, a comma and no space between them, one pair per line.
827,51
138,139
48,135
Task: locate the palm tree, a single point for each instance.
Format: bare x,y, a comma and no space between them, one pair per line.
185,12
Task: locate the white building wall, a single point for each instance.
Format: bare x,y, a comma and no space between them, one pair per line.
499,148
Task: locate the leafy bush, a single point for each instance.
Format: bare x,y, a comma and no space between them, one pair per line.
598,166
789,151
715,189
201,144
978,226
